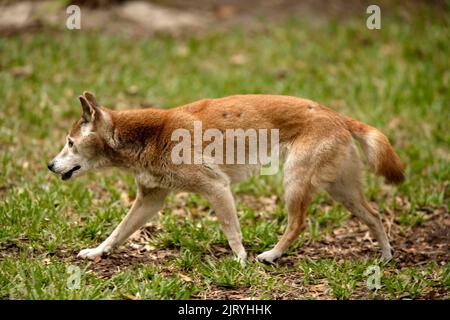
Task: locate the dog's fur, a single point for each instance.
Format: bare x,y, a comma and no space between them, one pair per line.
316,141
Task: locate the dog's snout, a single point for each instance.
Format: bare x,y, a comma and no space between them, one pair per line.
51,166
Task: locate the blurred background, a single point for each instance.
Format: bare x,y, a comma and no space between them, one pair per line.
146,17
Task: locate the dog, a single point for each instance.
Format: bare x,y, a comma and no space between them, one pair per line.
316,145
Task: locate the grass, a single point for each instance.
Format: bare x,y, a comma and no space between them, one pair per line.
396,79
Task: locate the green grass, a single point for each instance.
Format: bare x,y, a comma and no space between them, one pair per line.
396,79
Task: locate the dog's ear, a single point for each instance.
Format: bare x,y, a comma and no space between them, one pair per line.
89,111
91,99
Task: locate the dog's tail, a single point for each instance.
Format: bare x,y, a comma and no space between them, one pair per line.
378,151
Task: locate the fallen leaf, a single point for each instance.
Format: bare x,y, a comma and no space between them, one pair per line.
22,71
239,59
128,296
185,277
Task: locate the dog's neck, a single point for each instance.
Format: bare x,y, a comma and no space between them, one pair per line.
134,133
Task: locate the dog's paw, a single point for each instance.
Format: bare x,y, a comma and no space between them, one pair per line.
91,254
386,256
268,256
242,259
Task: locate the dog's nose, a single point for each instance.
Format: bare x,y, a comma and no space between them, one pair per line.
50,166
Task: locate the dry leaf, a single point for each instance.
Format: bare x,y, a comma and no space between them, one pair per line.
185,277
135,246
128,296
22,71
239,59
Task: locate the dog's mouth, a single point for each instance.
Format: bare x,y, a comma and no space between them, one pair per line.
68,174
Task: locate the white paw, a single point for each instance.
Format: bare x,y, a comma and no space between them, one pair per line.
91,254
242,259
268,256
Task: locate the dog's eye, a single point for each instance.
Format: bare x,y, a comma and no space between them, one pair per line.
70,143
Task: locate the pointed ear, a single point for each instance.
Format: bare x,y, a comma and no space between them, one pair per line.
91,99
88,110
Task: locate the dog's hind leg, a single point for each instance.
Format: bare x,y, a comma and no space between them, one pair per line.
298,194
347,189
148,202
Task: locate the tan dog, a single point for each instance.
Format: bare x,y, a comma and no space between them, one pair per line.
316,144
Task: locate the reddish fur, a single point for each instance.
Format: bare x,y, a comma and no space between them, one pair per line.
151,129
387,163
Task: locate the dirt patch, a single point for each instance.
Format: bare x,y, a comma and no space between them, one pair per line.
412,246
123,260
427,242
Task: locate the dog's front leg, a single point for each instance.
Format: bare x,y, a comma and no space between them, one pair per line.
222,201
148,202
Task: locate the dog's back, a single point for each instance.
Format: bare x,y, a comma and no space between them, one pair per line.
300,122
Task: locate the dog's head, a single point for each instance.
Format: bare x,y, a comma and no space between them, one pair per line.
85,144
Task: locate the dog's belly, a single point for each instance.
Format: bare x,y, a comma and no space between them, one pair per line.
240,172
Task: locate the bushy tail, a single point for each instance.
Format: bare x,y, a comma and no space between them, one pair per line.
379,152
